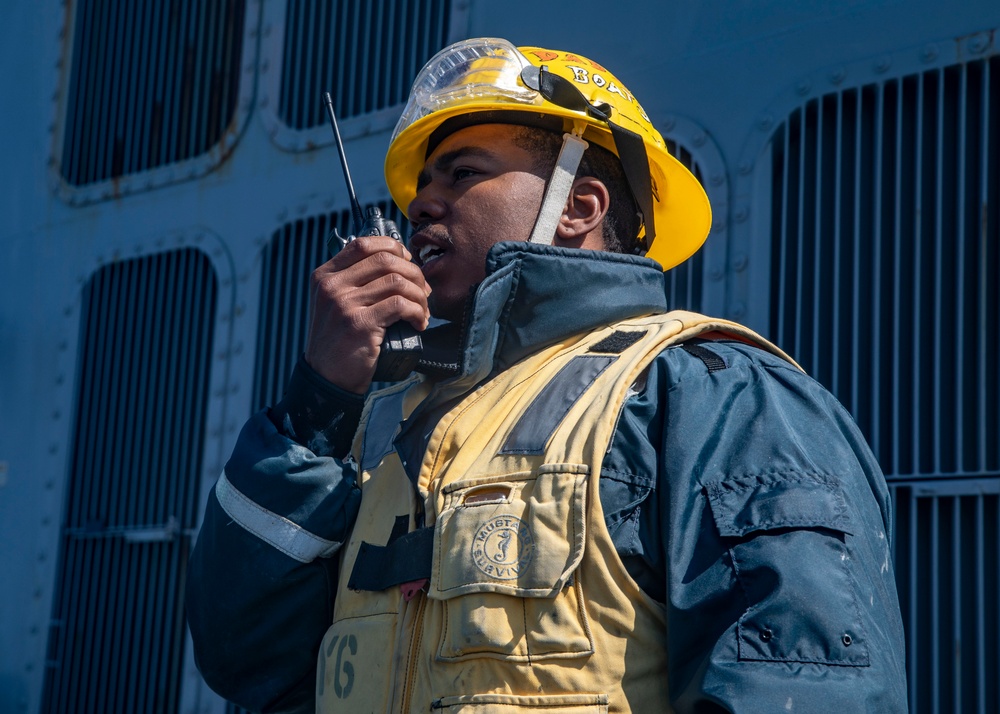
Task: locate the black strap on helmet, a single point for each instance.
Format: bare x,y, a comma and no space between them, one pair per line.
631,150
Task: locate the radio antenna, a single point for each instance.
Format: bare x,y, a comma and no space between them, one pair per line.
359,217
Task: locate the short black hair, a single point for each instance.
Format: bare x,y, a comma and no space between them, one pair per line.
621,223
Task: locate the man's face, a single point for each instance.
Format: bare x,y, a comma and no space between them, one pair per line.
477,188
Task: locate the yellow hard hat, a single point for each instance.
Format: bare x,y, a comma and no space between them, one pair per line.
489,80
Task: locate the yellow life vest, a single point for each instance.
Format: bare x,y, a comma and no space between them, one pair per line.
528,606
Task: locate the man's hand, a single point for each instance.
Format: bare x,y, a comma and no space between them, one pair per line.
366,287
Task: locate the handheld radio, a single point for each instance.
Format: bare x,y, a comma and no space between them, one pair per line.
402,345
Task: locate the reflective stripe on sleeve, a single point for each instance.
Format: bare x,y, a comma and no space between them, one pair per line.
291,539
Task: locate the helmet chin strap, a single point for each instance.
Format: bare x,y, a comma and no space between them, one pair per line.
629,146
558,190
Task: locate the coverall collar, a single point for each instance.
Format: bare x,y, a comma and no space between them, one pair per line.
535,295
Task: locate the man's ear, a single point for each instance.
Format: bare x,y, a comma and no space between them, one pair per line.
582,220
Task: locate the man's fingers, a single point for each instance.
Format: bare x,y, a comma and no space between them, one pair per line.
370,260
365,247
371,281
381,264
393,297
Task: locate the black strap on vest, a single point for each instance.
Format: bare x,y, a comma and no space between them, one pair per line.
711,360
404,559
617,342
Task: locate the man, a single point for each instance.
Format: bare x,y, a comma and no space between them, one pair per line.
581,503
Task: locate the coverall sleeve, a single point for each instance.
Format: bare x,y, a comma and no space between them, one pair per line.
262,576
776,529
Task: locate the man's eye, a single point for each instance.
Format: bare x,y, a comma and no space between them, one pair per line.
462,173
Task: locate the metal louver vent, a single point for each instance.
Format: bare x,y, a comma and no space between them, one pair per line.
151,84
886,248
295,250
947,559
365,54
685,283
116,641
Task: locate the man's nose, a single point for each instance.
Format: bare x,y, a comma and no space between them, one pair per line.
426,206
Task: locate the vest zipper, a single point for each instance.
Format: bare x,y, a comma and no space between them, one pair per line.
413,611
416,606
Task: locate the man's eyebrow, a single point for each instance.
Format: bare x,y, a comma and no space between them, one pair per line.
442,162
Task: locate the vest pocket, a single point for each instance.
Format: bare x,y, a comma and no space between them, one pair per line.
505,703
351,667
505,552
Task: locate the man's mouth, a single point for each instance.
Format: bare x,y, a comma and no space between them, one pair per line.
429,253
